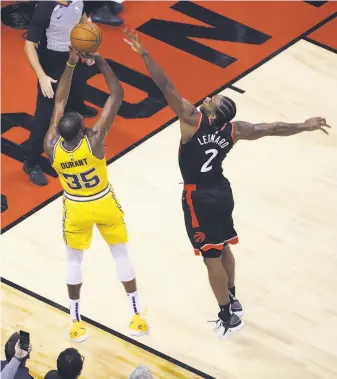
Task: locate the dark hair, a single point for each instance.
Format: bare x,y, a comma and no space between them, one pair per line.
225,112
69,364
69,125
10,346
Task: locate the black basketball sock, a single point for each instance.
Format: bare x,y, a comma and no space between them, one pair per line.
225,312
232,292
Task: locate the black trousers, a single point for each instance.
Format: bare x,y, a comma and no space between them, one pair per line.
53,64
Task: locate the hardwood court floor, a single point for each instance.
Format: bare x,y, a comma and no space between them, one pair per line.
285,210
106,356
285,214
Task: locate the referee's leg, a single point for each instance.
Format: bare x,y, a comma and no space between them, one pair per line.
53,64
43,112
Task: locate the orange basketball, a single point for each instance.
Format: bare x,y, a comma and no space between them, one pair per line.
86,37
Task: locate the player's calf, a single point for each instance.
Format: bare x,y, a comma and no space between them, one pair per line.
228,322
77,331
228,262
126,274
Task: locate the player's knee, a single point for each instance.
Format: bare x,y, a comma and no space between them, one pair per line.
119,250
124,266
226,249
211,254
74,266
212,262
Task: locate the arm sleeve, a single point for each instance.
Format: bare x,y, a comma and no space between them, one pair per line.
10,369
40,21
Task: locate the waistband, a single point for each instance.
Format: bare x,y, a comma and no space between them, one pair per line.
79,198
206,186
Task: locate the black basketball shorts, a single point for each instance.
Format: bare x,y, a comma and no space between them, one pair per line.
208,218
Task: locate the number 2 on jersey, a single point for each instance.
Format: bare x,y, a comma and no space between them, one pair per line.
206,166
81,180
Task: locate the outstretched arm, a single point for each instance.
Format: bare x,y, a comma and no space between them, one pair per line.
181,107
248,131
99,131
61,98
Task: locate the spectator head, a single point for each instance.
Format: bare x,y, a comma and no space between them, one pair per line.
141,372
10,347
71,126
69,364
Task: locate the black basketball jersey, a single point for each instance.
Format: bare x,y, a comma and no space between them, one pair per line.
200,159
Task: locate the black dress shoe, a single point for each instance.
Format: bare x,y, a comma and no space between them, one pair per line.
104,16
26,169
88,112
115,7
36,175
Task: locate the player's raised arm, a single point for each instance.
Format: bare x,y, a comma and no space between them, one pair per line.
99,131
181,107
248,131
61,98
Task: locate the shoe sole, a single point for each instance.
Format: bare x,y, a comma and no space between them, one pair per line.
38,183
231,331
79,339
137,334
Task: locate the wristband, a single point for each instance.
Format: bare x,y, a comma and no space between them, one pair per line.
18,358
71,65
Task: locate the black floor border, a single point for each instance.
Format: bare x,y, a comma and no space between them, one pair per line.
227,85
236,89
325,47
108,330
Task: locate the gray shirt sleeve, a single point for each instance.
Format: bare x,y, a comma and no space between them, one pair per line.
10,369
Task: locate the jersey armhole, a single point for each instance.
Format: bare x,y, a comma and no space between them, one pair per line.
91,151
233,131
199,121
88,143
55,147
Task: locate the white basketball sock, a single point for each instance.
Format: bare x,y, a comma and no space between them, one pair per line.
74,306
134,302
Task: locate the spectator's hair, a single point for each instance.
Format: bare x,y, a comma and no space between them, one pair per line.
70,125
10,346
69,364
141,372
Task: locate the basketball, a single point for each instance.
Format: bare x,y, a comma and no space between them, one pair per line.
86,37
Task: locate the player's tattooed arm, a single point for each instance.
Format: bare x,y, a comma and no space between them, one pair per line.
61,99
248,131
185,110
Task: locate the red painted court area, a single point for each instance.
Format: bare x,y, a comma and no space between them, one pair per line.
195,78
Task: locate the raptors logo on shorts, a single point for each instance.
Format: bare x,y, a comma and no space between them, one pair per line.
199,237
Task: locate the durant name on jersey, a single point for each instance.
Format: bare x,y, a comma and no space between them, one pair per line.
80,162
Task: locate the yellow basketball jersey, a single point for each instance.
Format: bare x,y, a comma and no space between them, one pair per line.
83,176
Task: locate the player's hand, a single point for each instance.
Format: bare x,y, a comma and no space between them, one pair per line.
90,56
90,62
46,86
317,123
73,55
133,41
20,353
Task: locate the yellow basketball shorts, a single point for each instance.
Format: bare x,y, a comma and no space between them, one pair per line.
79,218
